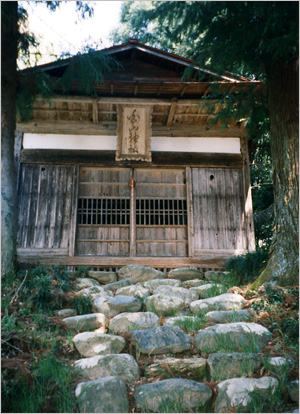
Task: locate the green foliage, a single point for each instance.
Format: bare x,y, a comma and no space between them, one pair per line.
82,304
82,271
85,70
272,401
248,266
50,389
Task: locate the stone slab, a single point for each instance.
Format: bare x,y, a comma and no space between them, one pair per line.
126,322
161,340
172,395
103,395
120,365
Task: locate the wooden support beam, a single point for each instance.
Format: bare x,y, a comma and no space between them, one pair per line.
183,90
171,113
136,89
95,112
213,262
107,158
109,128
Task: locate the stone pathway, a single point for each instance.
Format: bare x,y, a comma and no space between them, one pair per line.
156,339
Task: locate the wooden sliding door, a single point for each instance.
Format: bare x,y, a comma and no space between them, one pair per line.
117,218
161,213
103,213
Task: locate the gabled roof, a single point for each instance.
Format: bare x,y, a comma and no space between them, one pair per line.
149,72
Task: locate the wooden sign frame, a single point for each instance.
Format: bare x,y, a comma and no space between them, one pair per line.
134,133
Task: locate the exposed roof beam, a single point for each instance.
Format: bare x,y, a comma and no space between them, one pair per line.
171,113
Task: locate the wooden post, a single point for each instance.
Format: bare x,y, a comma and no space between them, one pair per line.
72,239
190,212
132,216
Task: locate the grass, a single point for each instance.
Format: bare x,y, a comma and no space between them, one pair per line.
48,388
82,304
191,324
272,401
36,375
247,267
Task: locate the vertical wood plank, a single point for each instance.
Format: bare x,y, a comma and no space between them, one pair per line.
73,210
190,212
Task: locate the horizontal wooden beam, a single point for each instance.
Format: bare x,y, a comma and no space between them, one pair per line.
124,101
110,128
160,262
107,158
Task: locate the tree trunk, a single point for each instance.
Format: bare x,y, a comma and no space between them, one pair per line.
283,98
9,36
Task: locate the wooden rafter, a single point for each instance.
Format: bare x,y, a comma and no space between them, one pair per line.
171,113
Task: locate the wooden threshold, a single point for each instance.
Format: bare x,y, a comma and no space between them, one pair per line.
110,261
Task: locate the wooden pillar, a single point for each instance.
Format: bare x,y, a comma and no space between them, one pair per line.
190,212
132,215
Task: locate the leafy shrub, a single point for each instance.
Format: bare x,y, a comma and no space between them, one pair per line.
82,271
247,267
82,304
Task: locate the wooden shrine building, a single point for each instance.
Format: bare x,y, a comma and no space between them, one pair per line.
136,175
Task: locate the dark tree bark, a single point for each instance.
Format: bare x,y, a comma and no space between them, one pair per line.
283,103
9,38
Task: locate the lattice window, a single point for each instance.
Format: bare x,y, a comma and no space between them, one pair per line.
115,211
103,211
157,212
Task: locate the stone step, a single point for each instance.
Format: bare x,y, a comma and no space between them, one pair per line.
160,340
123,366
134,302
172,395
237,337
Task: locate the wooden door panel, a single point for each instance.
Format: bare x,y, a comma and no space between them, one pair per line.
218,210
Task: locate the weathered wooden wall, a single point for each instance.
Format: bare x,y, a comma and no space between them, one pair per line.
46,201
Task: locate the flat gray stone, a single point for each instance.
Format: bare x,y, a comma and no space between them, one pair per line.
208,290
226,301
85,282
89,344
193,283
165,305
153,284
235,393
293,390
185,273
233,337
161,340
215,275
119,365
238,315
125,322
103,277
118,304
87,322
190,368
229,365
117,285
136,291
103,395
95,292
187,294
137,273
172,396
64,313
